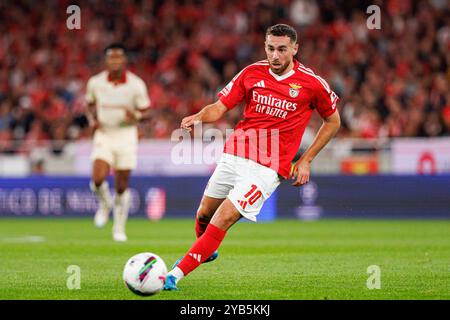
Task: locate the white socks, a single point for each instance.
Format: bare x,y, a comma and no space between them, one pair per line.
102,193
121,206
177,273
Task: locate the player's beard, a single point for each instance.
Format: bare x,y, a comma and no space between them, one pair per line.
279,70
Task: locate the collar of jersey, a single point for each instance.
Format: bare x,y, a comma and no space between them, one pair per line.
284,76
121,80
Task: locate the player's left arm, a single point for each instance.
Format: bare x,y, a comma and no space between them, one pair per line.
324,101
138,115
327,131
91,105
142,110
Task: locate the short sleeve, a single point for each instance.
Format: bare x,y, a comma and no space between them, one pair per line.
90,93
142,100
325,100
234,92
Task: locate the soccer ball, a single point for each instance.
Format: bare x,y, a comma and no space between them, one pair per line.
144,274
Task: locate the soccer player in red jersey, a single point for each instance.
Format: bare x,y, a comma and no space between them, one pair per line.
280,96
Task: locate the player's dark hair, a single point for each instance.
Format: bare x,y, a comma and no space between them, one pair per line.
115,46
280,30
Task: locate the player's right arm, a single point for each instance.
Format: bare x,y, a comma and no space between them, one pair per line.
210,113
91,110
229,97
91,115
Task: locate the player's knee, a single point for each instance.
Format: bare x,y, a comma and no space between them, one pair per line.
203,216
98,181
121,189
226,216
204,213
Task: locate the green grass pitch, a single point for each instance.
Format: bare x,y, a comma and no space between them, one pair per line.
326,259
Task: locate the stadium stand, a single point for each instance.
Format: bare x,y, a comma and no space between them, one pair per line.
393,82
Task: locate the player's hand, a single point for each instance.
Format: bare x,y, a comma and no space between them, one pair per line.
187,122
130,117
94,124
300,173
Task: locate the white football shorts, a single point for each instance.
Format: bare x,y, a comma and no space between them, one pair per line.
246,183
118,147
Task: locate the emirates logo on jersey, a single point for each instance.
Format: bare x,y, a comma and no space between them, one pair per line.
293,90
269,100
273,106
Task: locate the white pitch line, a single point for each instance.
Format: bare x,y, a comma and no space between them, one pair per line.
23,239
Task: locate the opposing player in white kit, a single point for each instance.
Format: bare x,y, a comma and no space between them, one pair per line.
117,100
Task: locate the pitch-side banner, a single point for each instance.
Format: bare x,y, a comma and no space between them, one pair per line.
421,156
151,197
164,197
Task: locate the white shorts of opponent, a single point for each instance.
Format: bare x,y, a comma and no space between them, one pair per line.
118,147
246,183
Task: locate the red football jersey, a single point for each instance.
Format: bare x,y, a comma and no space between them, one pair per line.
277,110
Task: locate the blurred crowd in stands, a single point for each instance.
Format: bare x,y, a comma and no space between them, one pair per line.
393,81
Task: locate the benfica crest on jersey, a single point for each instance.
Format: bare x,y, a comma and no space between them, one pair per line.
293,90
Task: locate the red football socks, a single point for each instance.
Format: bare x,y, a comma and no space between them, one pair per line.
202,249
200,227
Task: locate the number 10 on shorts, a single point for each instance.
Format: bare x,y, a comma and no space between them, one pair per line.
252,195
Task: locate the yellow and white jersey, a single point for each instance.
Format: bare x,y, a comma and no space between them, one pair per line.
112,98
